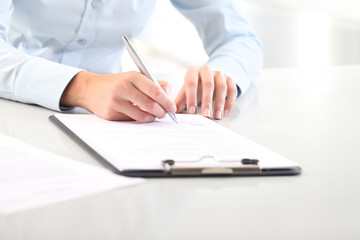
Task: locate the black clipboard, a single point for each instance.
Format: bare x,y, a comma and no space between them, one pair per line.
194,168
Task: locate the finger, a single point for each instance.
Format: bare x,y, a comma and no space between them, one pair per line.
180,100
191,86
133,112
231,96
146,103
220,94
207,83
125,112
113,115
155,92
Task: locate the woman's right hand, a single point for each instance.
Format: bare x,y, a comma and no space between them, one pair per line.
120,96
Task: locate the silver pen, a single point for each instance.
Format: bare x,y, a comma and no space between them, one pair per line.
140,63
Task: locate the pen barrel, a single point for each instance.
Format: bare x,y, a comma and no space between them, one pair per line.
140,63
138,60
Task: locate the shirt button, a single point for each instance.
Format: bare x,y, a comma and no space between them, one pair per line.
82,42
96,4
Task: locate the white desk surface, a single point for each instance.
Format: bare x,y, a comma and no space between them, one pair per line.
317,127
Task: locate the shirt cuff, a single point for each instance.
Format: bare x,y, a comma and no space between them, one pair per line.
43,82
232,69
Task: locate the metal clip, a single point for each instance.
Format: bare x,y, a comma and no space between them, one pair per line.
244,166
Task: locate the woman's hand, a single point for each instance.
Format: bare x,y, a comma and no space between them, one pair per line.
121,96
204,85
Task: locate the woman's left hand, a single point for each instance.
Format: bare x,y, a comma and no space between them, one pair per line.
205,85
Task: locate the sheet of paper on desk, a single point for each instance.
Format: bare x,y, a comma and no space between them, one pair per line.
132,145
31,177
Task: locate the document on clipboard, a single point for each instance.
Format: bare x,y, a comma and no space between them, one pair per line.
196,146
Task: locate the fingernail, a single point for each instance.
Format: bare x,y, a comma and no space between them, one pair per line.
207,112
218,114
192,110
226,113
172,109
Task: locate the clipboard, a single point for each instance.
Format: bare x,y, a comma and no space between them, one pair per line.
205,165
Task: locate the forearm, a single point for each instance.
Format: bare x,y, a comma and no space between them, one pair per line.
31,79
6,10
241,59
230,42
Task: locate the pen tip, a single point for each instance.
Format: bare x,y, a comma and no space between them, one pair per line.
173,117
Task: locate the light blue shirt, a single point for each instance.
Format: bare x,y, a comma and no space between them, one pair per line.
44,44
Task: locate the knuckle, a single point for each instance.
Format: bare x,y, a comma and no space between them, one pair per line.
220,75
208,84
133,73
150,106
232,89
230,81
190,84
222,86
193,69
158,93
120,88
133,76
206,68
127,75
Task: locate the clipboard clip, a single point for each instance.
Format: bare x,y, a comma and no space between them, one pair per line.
208,165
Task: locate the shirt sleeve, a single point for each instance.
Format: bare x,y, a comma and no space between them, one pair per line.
228,39
26,78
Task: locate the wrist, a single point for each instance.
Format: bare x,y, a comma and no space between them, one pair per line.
75,93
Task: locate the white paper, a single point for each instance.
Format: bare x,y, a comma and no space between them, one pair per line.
31,177
133,145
